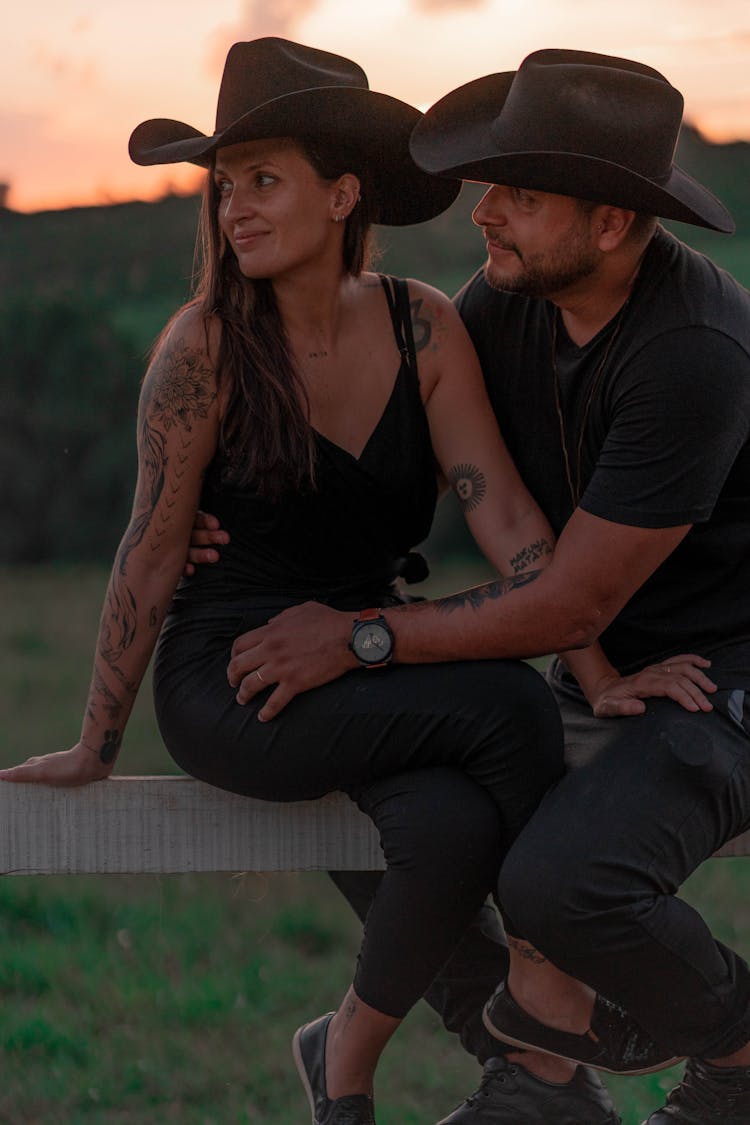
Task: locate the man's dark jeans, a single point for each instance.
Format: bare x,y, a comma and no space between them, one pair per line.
591,881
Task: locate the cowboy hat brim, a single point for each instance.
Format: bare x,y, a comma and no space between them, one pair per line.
458,136
375,127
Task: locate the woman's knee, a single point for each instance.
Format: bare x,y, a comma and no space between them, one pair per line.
434,819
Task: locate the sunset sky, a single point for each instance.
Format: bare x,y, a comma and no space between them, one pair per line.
78,75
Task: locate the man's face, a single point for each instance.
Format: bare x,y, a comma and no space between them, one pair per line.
538,244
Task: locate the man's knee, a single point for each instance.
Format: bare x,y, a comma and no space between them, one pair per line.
434,819
550,899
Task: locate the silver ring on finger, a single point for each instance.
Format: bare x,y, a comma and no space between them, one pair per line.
667,667
257,673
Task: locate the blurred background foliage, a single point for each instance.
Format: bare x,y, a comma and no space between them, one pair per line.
84,292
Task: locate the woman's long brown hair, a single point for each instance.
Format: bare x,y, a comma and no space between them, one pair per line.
266,436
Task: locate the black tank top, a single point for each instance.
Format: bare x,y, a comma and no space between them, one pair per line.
350,537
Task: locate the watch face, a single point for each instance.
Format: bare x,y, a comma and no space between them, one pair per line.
371,643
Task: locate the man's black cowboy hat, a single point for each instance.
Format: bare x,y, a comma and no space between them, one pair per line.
274,88
573,123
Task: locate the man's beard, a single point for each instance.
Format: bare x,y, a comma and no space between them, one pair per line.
545,274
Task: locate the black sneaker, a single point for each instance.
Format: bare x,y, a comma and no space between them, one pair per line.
613,1042
509,1095
707,1094
309,1050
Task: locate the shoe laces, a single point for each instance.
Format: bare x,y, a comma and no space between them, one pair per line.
496,1070
352,1109
709,1090
625,1039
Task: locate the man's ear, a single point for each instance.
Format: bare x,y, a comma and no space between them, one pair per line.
611,225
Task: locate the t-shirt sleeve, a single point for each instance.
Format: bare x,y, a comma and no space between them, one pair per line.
679,413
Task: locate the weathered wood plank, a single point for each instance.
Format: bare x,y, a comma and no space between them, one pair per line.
144,825
152,825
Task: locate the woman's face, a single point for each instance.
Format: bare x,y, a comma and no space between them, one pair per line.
274,209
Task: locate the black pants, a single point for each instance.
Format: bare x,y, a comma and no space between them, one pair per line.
591,880
449,760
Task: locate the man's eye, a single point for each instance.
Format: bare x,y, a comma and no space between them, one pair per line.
525,198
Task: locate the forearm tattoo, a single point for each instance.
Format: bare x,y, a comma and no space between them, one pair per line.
469,485
531,554
478,595
178,390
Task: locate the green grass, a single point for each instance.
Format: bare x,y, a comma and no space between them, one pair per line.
173,999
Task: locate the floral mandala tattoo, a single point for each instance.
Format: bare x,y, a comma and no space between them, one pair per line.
181,394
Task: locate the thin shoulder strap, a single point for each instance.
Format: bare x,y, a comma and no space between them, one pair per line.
397,296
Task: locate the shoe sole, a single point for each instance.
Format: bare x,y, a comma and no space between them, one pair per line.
301,1070
503,1037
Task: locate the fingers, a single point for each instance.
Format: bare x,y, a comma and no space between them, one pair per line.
612,708
261,679
251,685
687,664
198,555
685,658
687,693
27,771
204,521
276,703
243,645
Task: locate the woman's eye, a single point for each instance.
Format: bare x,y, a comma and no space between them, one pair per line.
264,179
223,187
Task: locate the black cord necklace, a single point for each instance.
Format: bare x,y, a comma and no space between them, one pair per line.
575,487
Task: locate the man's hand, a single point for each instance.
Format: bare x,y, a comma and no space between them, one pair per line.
206,532
77,766
302,648
680,678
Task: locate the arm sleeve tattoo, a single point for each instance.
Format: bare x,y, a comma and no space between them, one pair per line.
177,391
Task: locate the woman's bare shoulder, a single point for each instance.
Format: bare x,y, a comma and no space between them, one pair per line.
196,330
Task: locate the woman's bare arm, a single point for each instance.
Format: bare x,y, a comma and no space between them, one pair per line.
177,432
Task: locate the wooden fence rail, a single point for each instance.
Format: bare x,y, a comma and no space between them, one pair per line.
150,825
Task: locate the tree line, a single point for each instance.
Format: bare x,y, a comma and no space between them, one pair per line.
84,292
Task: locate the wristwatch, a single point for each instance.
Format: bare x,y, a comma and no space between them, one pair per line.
372,639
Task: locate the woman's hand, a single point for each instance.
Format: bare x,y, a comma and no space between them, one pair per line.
680,678
77,766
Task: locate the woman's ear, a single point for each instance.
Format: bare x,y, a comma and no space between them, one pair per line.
344,197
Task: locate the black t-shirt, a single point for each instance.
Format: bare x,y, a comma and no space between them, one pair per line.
656,417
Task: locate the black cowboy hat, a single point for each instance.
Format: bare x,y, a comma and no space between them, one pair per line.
274,88
573,123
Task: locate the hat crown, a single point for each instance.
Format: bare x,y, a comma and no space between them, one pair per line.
594,106
261,70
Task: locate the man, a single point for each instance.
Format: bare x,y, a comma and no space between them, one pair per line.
618,363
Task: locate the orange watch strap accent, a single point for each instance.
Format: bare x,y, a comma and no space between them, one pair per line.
369,614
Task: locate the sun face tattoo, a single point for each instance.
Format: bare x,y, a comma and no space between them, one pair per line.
469,485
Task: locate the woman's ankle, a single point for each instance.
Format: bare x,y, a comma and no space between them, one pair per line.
356,1037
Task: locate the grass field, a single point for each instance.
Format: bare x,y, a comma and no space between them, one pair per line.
148,1000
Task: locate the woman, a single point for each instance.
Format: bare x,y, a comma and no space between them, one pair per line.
300,399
